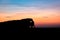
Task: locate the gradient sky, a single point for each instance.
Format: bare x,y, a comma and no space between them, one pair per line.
42,11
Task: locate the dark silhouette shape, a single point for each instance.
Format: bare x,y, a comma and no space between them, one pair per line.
17,25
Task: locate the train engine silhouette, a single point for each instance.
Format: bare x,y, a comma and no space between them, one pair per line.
17,25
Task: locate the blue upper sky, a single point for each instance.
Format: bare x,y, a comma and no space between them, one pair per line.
29,2
11,5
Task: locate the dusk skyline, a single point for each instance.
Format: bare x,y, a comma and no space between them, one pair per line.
41,11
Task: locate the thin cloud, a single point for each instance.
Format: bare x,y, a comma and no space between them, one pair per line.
45,17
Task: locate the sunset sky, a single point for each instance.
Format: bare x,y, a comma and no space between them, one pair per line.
41,11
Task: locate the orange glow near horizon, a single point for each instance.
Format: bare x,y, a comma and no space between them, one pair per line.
37,20
39,16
